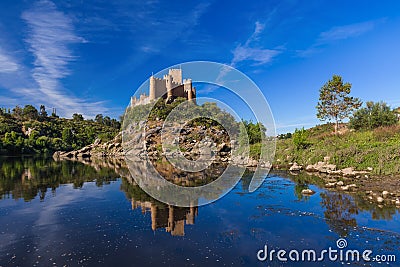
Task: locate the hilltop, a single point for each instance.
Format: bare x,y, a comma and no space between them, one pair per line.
28,131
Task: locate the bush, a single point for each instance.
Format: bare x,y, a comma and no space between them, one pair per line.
372,116
300,139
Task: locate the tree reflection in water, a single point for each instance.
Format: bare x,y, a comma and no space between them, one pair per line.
28,177
339,211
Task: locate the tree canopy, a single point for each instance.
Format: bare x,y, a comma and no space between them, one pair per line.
334,101
373,115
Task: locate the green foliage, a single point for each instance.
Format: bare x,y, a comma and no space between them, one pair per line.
160,110
285,136
372,116
378,148
255,132
26,131
334,101
300,139
77,117
30,112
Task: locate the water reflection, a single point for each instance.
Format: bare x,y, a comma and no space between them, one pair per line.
100,222
27,178
172,218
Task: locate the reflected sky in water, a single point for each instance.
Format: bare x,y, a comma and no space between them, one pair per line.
69,213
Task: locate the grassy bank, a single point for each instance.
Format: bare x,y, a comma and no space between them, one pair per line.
378,148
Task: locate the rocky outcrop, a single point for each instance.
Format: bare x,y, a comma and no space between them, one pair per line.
193,142
98,149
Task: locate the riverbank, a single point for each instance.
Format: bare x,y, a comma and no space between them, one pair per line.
366,163
376,150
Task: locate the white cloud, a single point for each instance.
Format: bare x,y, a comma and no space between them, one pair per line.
258,55
7,63
347,31
50,35
247,51
338,33
250,52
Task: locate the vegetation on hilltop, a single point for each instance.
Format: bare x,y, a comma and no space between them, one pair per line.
371,139
28,131
378,149
207,115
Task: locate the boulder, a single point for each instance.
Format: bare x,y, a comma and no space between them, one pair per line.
340,183
97,142
321,167
348,172
311,168
345,188
385,194
296,167
308,192
330,185
380,199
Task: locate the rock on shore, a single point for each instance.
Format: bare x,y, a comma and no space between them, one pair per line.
112,148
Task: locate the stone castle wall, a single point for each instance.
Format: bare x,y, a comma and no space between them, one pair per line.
168,87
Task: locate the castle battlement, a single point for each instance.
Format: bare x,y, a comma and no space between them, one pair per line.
169,87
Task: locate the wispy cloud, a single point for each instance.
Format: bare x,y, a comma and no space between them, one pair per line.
257,55
248,51
7,62
51,33
347,31
339,33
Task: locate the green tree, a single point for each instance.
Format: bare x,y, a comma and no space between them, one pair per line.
77,117
17,112
43,112
67,136
255,132
99,118
334,101
42,141
107,121
373,115
57,144
30,112
300,139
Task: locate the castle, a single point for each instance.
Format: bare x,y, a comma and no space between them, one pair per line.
169,87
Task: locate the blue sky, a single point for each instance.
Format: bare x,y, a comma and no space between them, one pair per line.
91,56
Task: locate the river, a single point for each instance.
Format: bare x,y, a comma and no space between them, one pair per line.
69,213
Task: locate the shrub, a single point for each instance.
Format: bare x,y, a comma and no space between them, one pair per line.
300,139
372,116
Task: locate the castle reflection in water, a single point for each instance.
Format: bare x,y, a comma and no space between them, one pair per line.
172,218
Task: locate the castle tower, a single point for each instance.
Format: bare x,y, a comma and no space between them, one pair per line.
168,82
152,93
188,88
176,75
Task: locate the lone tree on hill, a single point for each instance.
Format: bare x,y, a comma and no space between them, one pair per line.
335,102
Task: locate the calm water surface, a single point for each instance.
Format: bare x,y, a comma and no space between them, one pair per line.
75,214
